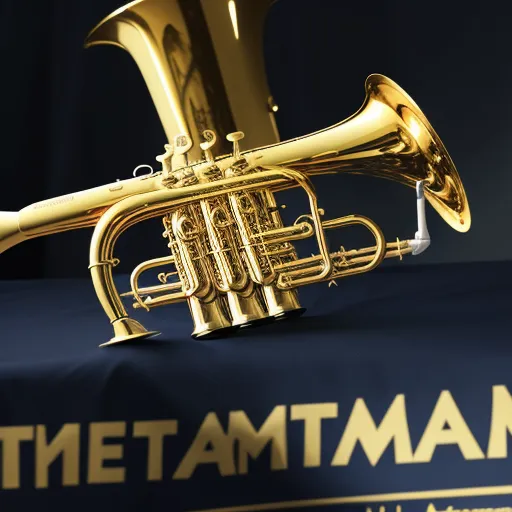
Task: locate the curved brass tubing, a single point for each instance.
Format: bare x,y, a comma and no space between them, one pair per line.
204,70
388,137
302,268
132,210
144,267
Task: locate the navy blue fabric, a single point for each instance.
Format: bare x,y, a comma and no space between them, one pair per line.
413,330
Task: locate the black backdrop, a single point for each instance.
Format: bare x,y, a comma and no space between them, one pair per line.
73,119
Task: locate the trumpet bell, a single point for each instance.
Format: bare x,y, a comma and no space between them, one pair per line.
427,158
388,137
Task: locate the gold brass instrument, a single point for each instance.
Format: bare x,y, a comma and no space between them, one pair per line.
233,258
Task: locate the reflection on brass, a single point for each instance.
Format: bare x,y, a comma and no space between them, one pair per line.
232,255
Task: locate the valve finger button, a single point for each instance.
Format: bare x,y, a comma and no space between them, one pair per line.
235,137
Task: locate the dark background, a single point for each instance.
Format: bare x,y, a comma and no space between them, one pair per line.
73,119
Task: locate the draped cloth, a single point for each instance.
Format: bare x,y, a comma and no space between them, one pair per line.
392,390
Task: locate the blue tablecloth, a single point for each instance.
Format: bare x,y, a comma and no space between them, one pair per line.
392,390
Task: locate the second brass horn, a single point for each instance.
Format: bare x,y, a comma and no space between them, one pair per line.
230,255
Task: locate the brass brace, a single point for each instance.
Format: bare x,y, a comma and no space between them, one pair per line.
114,262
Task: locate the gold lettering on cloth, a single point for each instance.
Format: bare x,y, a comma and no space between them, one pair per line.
155,431
431,508
210,446
447,414
100,452
251,442
384,508
312,415
11,437
65,443
374,440
231,448
501,423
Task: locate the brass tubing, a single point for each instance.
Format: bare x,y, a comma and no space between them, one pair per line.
164,300
220,258
286,234
135,209
290,273
393,249
140,269
155,289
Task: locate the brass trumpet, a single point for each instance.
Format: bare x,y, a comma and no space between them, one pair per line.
233,256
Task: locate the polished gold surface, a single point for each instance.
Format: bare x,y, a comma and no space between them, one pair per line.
389,137
199,74
230,255
200,82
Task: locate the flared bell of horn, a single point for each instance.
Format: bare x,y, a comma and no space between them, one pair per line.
389,137
203,64
128,329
